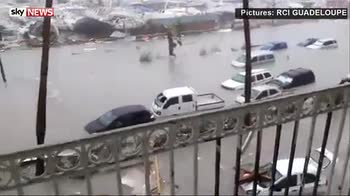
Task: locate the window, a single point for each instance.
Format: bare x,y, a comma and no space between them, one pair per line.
187,98
262,58
327,43
267,75
259,77
142,116
254,59
310,178
253,79
269,57
262,95
284,183
172,101
273,91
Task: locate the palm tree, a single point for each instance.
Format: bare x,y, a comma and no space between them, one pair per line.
41,108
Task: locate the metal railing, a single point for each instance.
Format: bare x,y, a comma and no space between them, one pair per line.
118,148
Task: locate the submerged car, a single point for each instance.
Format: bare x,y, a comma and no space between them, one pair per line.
120,117
261,92
324,43
257,57
281,181
259,76
307,42
294,78
273,46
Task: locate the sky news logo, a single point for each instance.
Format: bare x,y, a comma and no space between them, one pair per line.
31,12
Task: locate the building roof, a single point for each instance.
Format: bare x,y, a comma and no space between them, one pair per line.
179,91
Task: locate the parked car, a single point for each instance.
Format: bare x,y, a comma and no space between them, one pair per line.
281,182
273,46
259,76
183,100
294,78
120,117
261,93
307,42
257,57
324,43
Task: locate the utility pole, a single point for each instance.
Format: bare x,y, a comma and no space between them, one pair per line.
41,107
247,94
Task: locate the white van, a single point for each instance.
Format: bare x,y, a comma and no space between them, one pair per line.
259,76
257,57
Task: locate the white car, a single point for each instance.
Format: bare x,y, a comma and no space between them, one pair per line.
257,57
324,43
261,92
259,76
264,185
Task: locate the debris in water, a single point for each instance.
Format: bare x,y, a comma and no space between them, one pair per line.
203,52
89,49
146,57
215,49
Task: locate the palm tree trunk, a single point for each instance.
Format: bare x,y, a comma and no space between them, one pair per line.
41,108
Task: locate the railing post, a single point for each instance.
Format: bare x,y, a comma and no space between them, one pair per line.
323,147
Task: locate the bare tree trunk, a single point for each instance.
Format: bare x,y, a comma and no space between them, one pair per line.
41,108
2,70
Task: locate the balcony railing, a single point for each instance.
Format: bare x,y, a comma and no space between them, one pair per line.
122,147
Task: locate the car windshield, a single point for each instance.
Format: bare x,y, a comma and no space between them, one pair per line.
107,118
284,79
254,93
267,47
239,78
319,43
241,59
160,100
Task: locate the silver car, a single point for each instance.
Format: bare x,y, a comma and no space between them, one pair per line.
281,183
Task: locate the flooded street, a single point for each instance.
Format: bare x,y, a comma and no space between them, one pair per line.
84,84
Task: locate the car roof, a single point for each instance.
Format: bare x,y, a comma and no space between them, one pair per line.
260,52
128,109
326,39
178,91
276,42
264,87
297,72
298,166
254,71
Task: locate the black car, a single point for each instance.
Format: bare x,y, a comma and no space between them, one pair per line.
307,42
294,78
120,117
273,46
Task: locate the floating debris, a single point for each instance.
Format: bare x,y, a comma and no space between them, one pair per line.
203,52
89,49
146,57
